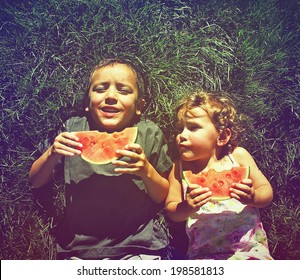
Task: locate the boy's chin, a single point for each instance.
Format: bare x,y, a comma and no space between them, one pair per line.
112,126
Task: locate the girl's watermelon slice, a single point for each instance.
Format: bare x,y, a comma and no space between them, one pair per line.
218,183
100,147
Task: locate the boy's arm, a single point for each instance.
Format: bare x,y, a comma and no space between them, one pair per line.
42,170
157,184
257,190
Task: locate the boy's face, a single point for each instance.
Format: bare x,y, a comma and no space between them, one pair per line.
199,136
113,97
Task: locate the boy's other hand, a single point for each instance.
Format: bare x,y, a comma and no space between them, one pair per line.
138,163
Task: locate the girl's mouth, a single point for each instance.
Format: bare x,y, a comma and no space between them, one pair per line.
181,145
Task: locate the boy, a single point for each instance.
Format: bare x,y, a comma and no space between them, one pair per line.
112,210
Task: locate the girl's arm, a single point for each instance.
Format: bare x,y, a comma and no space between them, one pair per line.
178,208
42,170
257,190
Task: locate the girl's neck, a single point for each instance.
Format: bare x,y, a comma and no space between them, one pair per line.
218,161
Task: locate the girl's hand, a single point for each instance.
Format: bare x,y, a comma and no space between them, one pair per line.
66,144
138,163
196,196
243,191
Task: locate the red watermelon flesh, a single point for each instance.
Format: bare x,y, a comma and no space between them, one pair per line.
220,182
100,147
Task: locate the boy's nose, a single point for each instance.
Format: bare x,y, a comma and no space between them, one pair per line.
111,96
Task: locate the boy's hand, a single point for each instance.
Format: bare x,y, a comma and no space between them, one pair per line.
197,196
66,144
138,161
243,191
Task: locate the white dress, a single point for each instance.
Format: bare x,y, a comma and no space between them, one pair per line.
226,229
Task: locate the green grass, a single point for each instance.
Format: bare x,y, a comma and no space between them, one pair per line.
247,48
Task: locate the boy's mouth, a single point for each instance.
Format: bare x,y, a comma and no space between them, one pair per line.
109,109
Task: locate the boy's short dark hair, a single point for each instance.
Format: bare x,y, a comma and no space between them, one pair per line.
141,84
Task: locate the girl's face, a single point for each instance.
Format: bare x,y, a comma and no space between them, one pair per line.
113,97
199,136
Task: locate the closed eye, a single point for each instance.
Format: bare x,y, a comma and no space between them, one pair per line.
101,88
124,89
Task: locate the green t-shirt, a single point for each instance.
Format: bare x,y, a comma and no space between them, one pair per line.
110,215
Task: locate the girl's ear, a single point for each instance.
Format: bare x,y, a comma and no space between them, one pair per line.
224,137
140,106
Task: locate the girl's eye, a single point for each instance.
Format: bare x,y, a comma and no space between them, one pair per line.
194,128
178,127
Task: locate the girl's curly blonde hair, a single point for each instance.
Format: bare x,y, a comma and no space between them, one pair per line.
220,110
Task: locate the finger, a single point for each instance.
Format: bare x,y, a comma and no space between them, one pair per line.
68,139
63,149
128,165
134,147
120,163
71,135
71,139
132,155
193,187
233,195
126,170
243,192
198,191
244,187
72,143
247,182
202,202
67,135
64,152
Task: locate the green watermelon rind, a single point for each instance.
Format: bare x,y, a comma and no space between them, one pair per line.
218,198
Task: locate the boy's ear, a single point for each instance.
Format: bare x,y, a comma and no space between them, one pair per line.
224,137
140,106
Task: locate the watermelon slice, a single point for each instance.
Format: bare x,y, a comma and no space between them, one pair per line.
218,183
100,147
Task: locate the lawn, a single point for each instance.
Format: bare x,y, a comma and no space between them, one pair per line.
249,49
